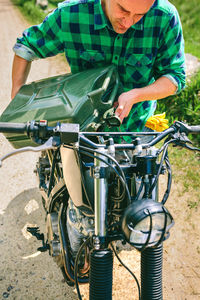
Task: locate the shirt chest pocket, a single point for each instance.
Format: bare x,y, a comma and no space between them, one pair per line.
92,58
139,67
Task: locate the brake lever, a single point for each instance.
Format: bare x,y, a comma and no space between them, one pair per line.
181,139
51,143
192,148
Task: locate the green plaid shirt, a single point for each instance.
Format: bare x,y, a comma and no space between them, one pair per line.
151,48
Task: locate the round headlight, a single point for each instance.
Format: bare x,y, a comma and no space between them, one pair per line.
146,223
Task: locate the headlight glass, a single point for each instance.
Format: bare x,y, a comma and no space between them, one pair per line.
140,233
158,222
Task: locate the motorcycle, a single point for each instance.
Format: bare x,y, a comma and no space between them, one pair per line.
99,188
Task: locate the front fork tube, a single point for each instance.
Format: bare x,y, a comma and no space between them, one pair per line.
101,257
100,195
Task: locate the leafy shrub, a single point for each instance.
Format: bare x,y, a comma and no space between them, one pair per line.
189,13
30,10
19,2
34,12
55,2
184,106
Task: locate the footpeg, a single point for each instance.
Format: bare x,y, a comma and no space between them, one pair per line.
34,231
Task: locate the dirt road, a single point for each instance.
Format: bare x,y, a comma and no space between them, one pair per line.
22,277
26,274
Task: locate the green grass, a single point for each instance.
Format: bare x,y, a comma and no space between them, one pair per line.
189,11
186,170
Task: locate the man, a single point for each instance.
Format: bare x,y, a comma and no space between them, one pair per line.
143,38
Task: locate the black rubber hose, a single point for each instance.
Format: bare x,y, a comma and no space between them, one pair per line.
151,273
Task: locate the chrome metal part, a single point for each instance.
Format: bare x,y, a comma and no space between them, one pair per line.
79,227
100,196
96,243
53,237
50,144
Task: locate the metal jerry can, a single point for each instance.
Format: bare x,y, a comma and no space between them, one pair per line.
81,98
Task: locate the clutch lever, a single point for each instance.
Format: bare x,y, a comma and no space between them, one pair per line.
51,143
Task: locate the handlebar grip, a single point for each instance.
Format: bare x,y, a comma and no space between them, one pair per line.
194,129
13,127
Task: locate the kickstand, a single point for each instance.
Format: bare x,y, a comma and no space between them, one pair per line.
34,231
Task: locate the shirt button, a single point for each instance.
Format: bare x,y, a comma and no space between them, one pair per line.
116,57
118,37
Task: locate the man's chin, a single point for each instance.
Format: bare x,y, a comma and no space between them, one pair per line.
120,29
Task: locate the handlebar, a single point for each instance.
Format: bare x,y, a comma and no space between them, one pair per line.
52,137
194,129
183,127
70,133
13,127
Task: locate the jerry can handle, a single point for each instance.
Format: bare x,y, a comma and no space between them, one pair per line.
99,92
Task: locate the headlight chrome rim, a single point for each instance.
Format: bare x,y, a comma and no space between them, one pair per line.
151,211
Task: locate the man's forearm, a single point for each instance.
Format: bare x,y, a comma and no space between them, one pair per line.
20,71
161,88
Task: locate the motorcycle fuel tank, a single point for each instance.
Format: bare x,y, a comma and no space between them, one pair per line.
80,98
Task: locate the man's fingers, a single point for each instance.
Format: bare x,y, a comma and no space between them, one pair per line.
125,103
119,110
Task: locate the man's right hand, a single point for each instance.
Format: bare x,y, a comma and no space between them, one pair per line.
20,71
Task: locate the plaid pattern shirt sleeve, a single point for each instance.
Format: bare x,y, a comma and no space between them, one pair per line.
170,61
151,48
43,40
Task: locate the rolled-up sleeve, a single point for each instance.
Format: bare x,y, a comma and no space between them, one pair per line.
43,40
170,61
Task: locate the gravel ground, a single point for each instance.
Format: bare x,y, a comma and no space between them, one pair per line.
23,276
26,274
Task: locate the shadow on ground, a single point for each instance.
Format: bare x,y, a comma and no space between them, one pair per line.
24,272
